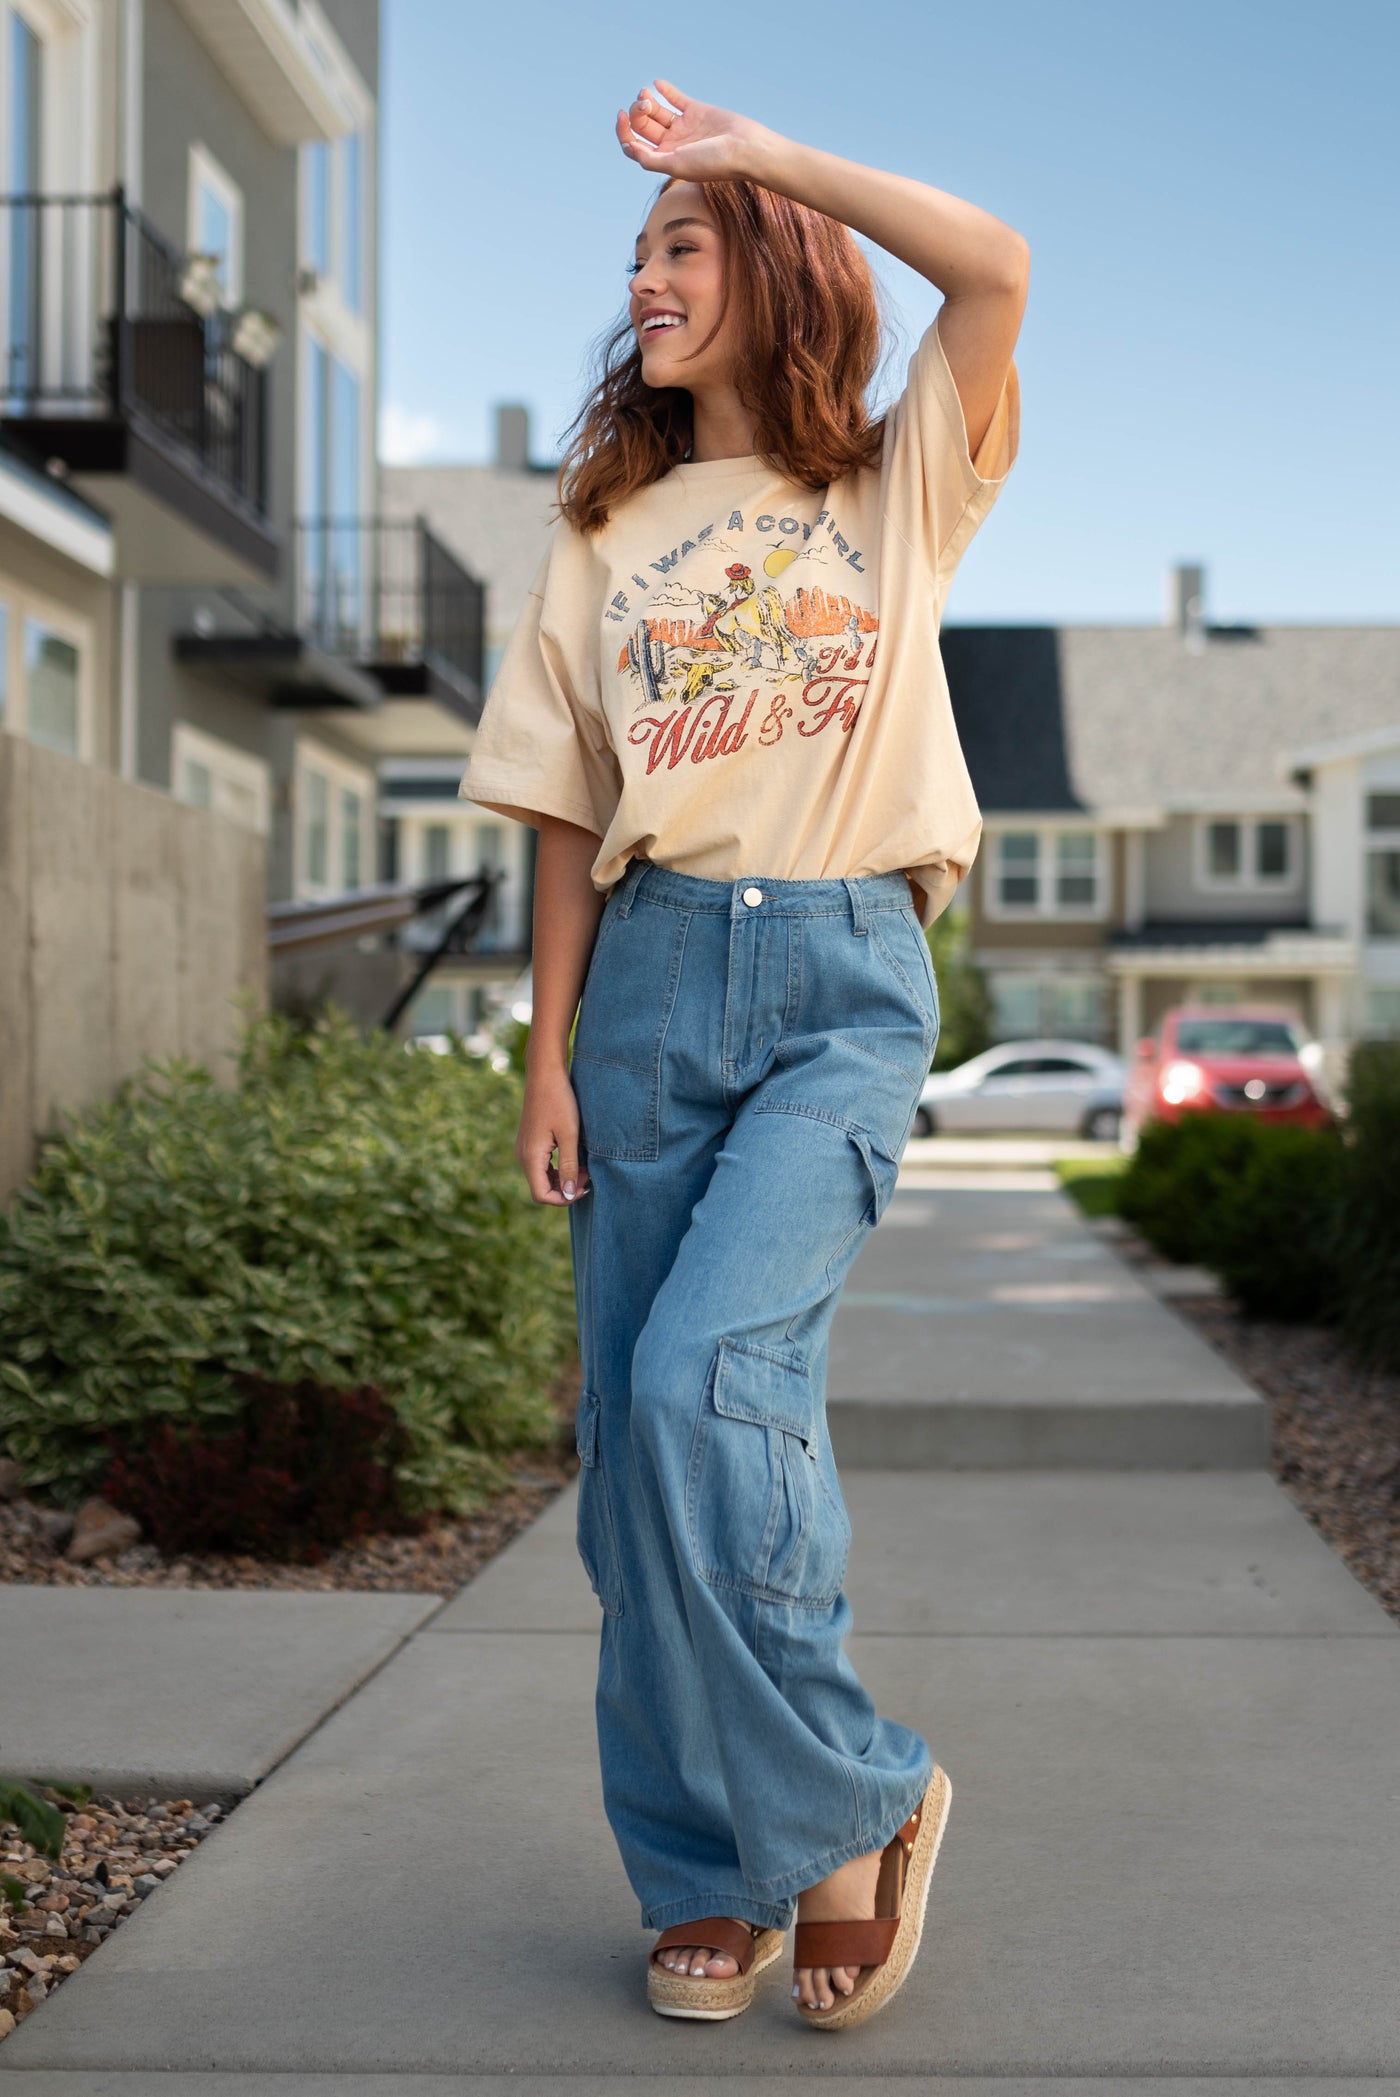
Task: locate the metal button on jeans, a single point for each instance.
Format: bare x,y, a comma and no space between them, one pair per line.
753,896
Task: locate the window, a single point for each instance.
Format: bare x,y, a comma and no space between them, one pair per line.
333,217
350,836
1047,873
331,567
210,773
1383,1009
216,220
45,660
24,172
318,793
1383,865
1065,1006
1244,852
333,799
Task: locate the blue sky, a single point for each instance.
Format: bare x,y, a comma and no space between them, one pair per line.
1208,362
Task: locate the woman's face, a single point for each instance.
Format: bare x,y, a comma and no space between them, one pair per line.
677,292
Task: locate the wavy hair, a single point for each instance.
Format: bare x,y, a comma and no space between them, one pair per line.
809,340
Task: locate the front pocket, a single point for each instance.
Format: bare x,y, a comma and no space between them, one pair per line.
759,1512
628,998
596,1537
896,934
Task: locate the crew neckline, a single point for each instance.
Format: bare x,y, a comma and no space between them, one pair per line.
717,469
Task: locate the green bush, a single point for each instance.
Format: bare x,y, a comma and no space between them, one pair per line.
964,1001
349,1212
1275,1228
1178,1176
1369,1223
1256,1202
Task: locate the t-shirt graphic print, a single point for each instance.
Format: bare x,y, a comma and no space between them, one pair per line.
739,677
781,641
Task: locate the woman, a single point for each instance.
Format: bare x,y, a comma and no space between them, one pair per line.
724,710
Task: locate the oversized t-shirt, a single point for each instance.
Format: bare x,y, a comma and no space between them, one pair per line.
739,676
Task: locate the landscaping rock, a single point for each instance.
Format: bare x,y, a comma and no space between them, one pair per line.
53,1522
100,1530
7,2023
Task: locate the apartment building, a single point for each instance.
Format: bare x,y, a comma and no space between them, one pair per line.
188,275
1186,811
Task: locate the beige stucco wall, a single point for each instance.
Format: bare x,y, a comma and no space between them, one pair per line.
128,924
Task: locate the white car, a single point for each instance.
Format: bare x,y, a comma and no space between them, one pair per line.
1066,1086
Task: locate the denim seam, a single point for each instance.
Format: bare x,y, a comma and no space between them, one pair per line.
898,970
773,1915
832,1121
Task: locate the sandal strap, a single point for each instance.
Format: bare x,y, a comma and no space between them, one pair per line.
844,1943
720,1933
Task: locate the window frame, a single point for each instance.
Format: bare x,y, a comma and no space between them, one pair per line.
1375,840
206,168
1248,881
224,761
1047,909
22,605
340,774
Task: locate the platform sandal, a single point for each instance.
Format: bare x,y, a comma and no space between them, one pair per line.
700,1995
884,1947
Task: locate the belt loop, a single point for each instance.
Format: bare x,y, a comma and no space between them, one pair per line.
857,896
627,887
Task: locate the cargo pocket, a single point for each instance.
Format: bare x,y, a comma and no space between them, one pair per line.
881,1170
597,1540
761,1516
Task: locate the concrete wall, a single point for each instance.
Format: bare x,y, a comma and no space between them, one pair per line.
128,923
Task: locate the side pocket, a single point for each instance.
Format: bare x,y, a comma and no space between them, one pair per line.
597,1539
759,1513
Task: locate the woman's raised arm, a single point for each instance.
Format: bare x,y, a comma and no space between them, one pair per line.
979,263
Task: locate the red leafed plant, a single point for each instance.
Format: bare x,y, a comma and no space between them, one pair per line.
304,1468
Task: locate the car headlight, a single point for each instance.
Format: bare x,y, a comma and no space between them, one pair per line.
1182,1081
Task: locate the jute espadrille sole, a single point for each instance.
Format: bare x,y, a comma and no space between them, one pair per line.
676,1995
882,1982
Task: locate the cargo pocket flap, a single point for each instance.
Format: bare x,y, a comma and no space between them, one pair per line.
756,1383
586,1428
881,1169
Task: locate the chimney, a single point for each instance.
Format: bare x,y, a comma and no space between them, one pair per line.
1186,602
512,438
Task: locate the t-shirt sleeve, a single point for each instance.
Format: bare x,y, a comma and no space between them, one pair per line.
936,493
541,747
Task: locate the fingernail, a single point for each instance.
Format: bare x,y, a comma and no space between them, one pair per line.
568,1190
797,1991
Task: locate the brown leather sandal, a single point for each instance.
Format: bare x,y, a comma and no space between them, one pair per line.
701,1995
884,1948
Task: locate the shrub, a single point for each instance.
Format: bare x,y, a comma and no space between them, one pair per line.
305,1467
964,1002
349,1213
1178,1176
1369,1223
1274,1231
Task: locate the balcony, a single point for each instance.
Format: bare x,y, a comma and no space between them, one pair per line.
385,612
141,401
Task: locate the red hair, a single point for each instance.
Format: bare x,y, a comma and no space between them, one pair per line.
809,336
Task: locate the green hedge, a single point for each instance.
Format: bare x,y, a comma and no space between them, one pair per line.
1297,1222
1369,1217
350,1211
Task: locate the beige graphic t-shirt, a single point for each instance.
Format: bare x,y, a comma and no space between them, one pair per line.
739,676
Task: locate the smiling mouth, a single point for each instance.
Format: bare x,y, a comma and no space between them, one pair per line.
661,325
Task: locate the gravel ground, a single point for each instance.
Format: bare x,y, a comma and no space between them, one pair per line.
437,1562
115,1854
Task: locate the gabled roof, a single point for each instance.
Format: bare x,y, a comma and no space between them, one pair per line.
1092,717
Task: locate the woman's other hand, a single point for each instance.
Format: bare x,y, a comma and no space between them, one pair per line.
691,140
548,1122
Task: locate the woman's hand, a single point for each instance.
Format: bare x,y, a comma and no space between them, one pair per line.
691,140
549,1120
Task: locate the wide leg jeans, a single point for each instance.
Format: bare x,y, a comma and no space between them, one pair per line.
747,1061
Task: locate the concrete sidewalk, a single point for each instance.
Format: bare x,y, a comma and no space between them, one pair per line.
1168,1712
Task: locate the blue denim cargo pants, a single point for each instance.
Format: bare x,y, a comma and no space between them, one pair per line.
747,1061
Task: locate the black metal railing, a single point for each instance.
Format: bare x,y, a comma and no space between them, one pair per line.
386,591
93,324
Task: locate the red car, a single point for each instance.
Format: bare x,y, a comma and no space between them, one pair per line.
1231,1059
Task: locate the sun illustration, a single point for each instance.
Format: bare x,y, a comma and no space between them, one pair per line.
781,557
